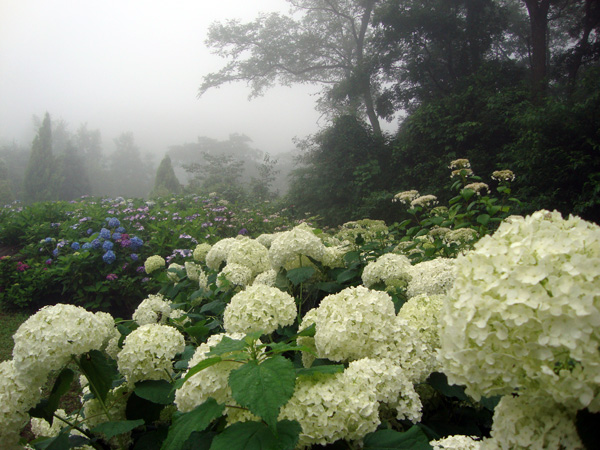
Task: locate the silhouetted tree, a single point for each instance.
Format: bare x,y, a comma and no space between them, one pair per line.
41,178
166,181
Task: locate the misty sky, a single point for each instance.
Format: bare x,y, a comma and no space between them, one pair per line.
136,65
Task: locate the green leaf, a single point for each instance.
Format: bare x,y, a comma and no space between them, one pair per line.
60,442
197,331
156,391
202,365
114,428
264,388
308,331
347,275
483,219
257,436
227,345
196,420
330,287
334,368
439,382
46,408
300,274
412,439
99,372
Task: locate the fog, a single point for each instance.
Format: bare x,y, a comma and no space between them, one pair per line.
135,65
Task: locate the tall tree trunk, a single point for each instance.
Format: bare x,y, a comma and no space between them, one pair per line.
538,19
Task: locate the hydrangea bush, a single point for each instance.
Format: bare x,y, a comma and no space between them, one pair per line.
341,338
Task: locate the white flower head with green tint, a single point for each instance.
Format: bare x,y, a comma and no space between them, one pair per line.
461,236
431,277
391,269
461,163
172,274
406,196
148,353
266,239
457,442
353,323
267,278
200,252
368,229
503,175
259,308
218,253
153,309
289,246
532,423
478,187
524,312
424,201
236,274
192,270
153,263
250,253
48,339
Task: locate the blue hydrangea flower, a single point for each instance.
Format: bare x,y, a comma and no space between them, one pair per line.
97,243
48,240
55,252
86,246
90,231
120,230
75,246
113,222
107,245
105,233
136,243
134,256
109,257
116,236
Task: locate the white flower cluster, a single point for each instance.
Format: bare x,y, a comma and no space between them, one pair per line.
153,309
267,278
461,236
391,269
259,307
245,258
503,175
431,277
210,382
115,405
148,352
424,200
218,253
194,272
457,442
532,423
236,274
478,187
201,251
249,253
406,196
153,263
370,230
47,340
172,274
289,246
524,312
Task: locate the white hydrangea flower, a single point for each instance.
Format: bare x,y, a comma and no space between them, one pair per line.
424,200
116,403
289,246
524,312
389,383
217,254
431,277
153,309
153,263
148,352
503,175
47,340
267,278
200,252
212,382
41,427
18,394
173,276
353,323
192,270
249,253
236,274
422,313
257,308
266,239
391,269
406,196
332,407
370,230
532,423
461,236
478,187
457,442
334,256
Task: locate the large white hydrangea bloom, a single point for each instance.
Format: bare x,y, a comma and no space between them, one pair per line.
289,246
431,277
259,307
524,312
201,251
153,309
148,353
456,442
218,253
532,423
249,253
391,269
47,340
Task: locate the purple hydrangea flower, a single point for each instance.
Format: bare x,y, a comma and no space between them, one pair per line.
111,277
90,231
243,231
55,252
120,230
116,236
109,257
134,256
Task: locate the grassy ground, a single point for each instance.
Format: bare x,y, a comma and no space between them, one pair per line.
9,322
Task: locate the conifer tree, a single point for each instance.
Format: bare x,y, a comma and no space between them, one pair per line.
6,194
166,181
41,180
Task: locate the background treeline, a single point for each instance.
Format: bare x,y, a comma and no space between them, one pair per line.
508,84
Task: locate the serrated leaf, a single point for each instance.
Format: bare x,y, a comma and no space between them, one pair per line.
196,420
99,372
227,345
114,428
257,436
412,439
201,366
300,274
156,391
264,388
334,368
